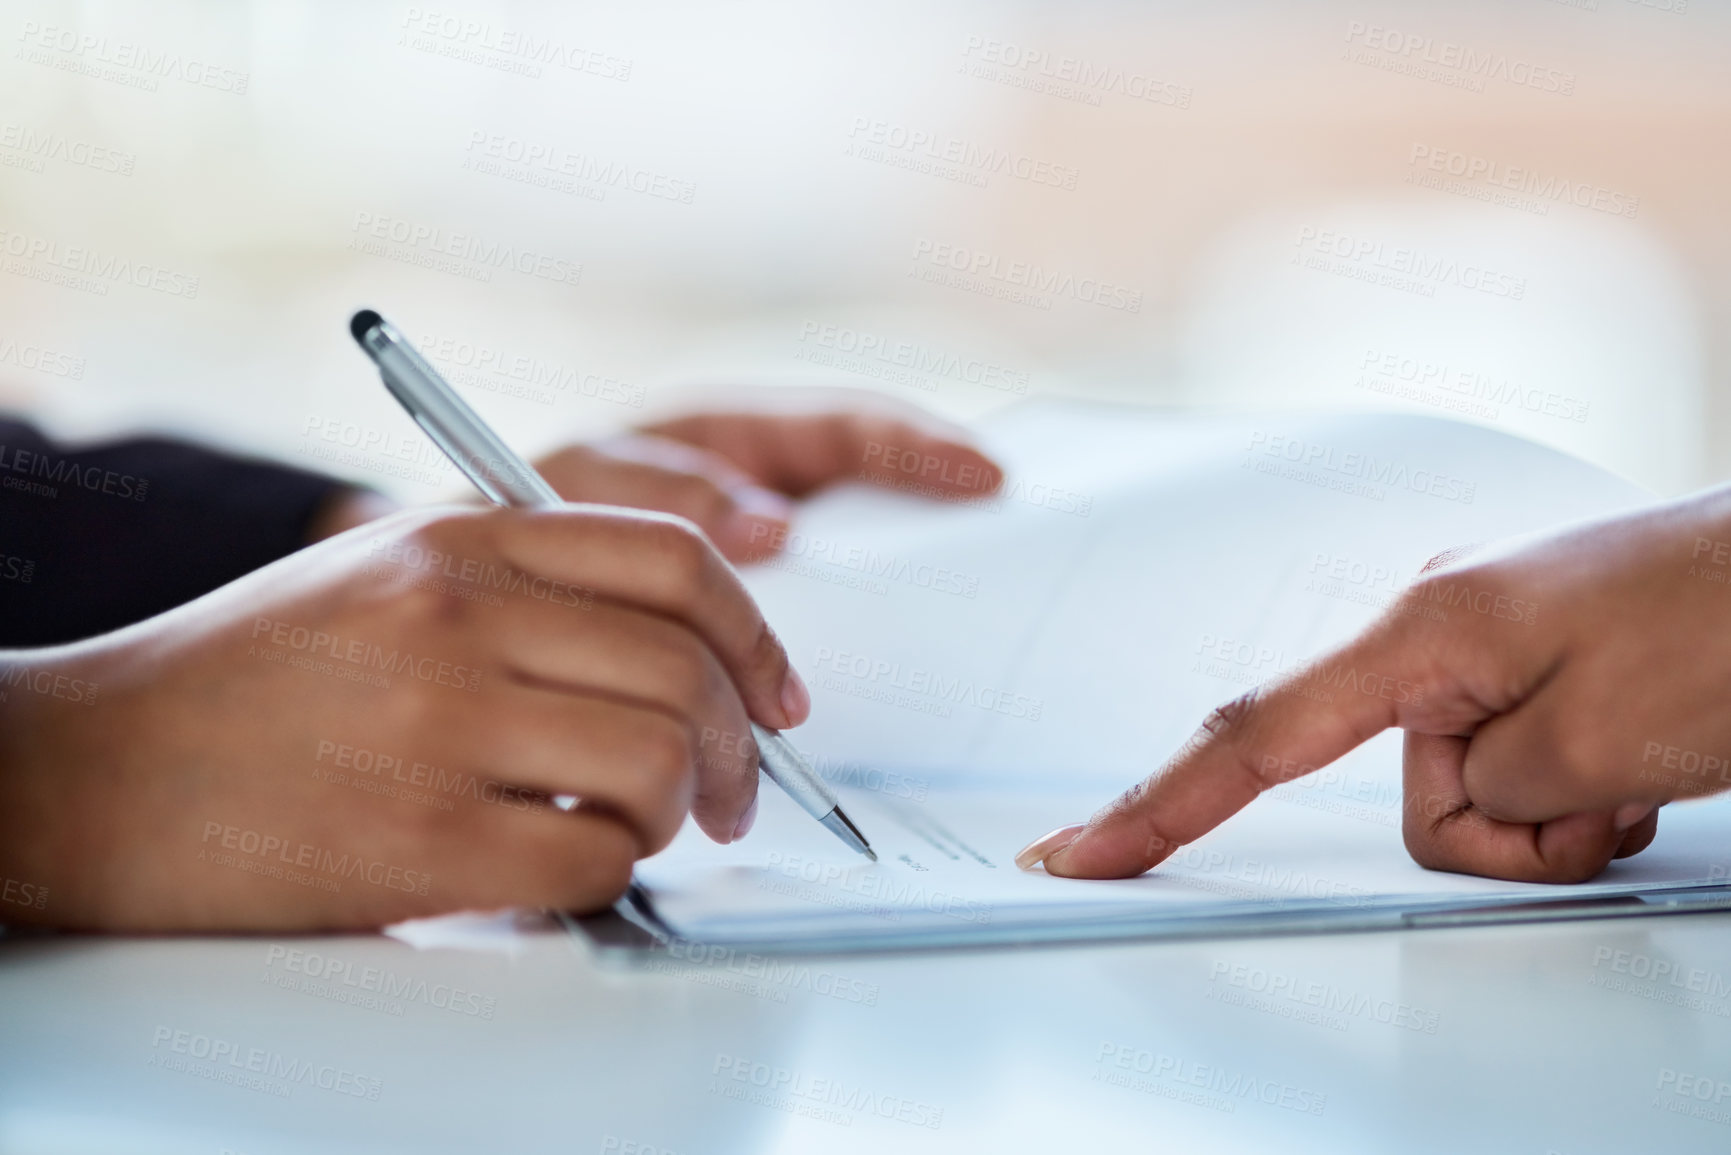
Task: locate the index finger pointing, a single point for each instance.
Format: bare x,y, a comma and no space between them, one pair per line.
1273,734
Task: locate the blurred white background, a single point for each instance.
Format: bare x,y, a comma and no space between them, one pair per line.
762,192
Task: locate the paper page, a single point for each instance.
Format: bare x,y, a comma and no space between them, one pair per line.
1139,570
946,866
981,674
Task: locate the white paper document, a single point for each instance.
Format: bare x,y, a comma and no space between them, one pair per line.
984,672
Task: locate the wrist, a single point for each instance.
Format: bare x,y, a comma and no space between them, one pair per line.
44,696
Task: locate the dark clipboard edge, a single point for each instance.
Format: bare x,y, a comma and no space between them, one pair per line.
630,932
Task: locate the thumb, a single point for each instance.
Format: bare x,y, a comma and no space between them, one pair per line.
1422,671
1445,830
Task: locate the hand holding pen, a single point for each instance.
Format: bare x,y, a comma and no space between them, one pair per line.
506,479
370,728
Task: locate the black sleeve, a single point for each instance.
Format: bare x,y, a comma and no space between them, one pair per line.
95,538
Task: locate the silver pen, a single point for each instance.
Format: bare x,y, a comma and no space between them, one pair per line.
506,479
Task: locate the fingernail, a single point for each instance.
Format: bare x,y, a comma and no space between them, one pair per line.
1041,849
1628,814
745,821
764,503
795,698
747,537
758,522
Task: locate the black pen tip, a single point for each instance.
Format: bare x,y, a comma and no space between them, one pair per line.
362,323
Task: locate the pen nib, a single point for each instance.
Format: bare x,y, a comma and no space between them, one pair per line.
838,824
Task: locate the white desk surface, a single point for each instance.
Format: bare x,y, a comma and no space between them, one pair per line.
1536,1039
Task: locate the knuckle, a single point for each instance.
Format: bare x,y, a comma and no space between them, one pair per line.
410,709
1573,863
663,826
1435,588
1577,757
611,879
665,754
1424,812
607,873
1448,557
1457,594
1439,833
690,674
768,655
1157,845
452,529
702,500
1232,728
667,761
565,459
1422,846
1232,723
421,608
685,553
